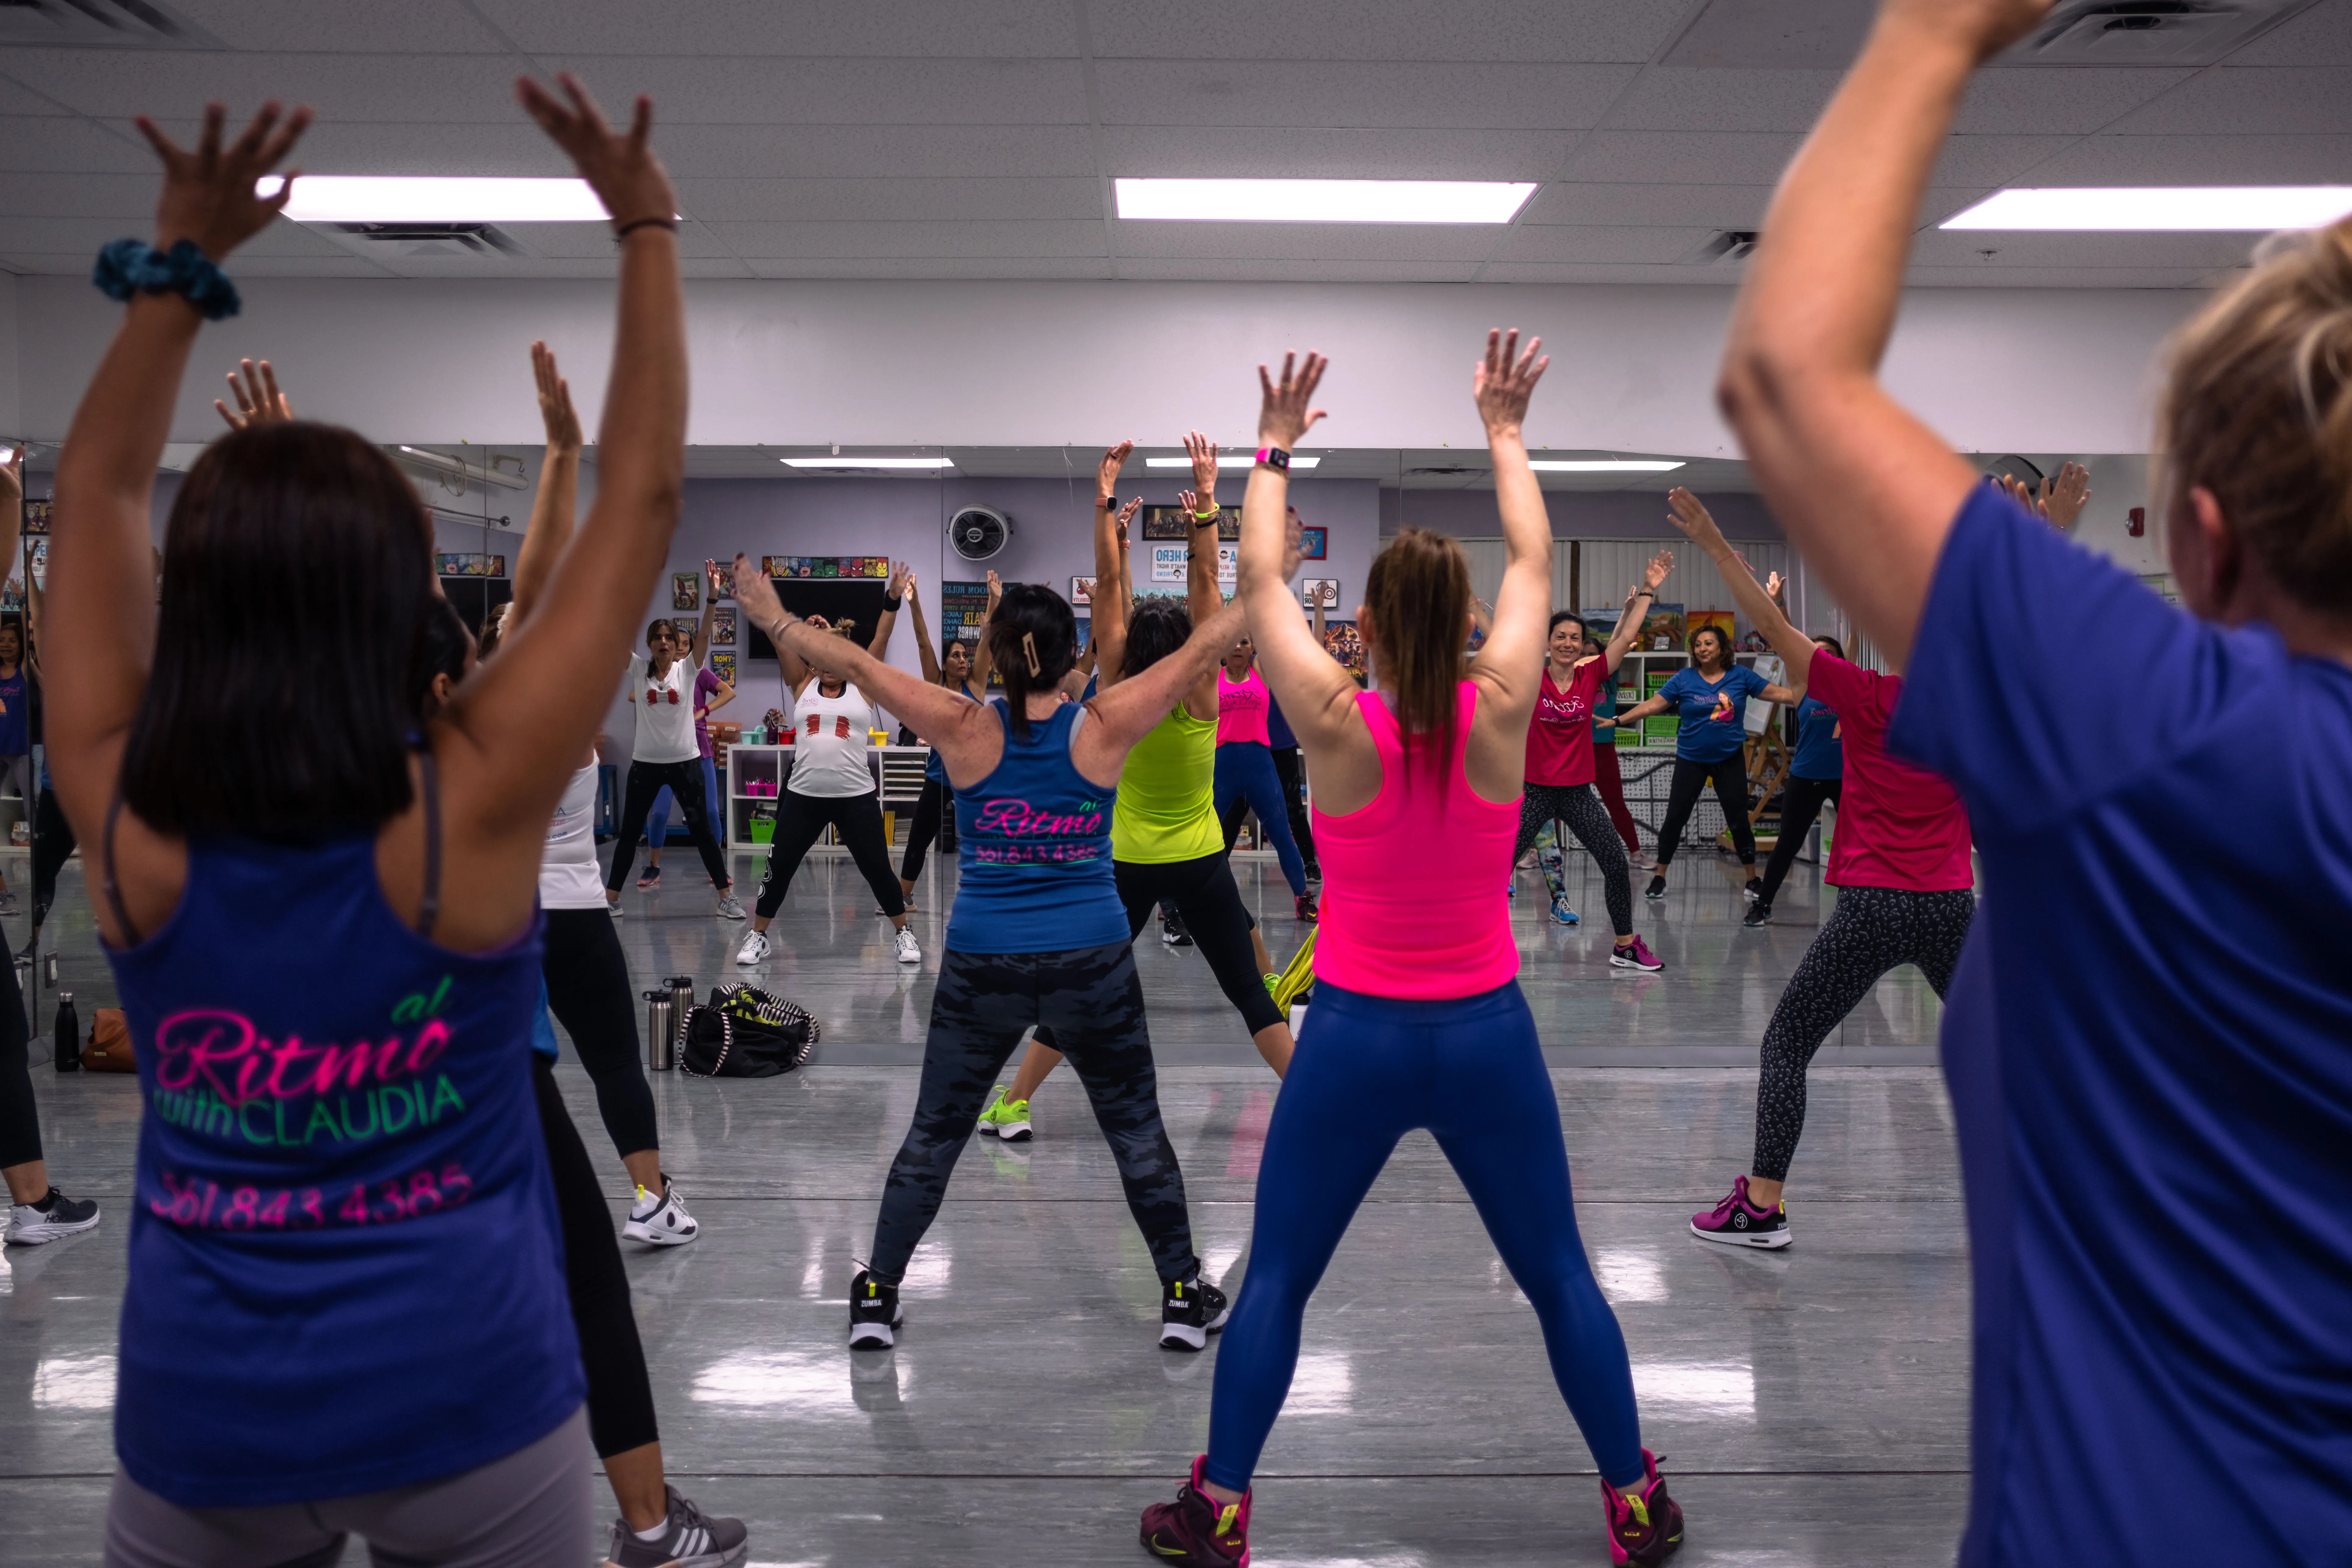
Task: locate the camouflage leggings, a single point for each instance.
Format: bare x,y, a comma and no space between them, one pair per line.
1093,1000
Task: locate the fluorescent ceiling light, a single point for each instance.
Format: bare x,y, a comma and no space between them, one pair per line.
867,462
1227,460
1321,201
1602,466
2251,208
402,198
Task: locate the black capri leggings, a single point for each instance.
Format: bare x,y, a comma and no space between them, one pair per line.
924,828
984,1002
620,1391
686,785
800,818
1730,776
1203,894
20,1118
1874,930
1578,806
1801,804
588,988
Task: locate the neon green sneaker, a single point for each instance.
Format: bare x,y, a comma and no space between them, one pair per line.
1008,1121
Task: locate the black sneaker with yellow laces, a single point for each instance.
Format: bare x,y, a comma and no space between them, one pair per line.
1190,1311
875,1314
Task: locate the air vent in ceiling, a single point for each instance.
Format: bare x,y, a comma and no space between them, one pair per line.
1441,473
1723,244
86,23
2148,32
426,239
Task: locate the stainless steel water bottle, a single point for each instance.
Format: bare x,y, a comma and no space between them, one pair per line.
681,1007
66,1036
661,1041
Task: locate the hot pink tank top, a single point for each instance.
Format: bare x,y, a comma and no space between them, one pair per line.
1240,708
1413,885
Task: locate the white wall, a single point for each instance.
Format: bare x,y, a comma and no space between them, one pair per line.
1044,364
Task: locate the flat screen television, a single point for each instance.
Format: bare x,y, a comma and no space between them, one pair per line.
837,599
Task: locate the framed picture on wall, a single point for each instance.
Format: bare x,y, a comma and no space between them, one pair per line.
1313,543
37,515
722,626
726,579
722,665
686,590
1175,522
1324,591
1082,592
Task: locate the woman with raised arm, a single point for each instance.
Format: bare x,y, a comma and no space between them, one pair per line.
1559,761
1245,764
1906,889
962,670
663,682
1164,830
293,873
832,784
710,694
2153,1125
1816,775
1038,935
1416,801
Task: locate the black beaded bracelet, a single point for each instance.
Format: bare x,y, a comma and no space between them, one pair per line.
634,224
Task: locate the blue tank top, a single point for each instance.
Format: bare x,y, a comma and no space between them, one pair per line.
346,1271
1034,846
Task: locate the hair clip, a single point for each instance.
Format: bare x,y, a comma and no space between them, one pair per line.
1029,647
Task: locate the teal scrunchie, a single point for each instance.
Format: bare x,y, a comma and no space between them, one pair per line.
128,266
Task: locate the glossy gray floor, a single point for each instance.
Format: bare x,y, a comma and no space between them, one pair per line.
1812,1402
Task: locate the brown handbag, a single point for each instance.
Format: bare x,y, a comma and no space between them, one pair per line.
109,1043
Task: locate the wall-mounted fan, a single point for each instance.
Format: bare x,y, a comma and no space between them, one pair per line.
979,533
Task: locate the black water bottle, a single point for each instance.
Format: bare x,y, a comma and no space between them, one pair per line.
66,1036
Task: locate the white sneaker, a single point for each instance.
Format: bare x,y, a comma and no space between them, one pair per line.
727,908
57,1215
612,908
755,948
903,948
661,1221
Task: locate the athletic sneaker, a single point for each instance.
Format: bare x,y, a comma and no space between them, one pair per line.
8,902
1172,931
1314,870
1190,1311
1759,913
1645,1530
1304,908
1272,985
56,1215
1740,1222
646,878
1753,890
661,1221
1635,954
875,1315
755,947
1196,1529
1562,913
1008,1121
727,908
688,1539
903,948
612,908
1655,891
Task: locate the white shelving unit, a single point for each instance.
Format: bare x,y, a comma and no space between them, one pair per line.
898,769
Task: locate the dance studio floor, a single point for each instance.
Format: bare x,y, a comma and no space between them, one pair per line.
1811,1403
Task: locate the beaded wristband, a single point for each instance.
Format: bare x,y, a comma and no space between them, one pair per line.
128,266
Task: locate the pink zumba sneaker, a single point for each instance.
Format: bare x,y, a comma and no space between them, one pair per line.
1198,1530
1646,1530
1635,954
1740,1222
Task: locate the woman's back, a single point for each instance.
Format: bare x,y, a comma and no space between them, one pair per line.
1033,838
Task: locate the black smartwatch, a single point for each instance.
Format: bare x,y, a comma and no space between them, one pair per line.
1108,504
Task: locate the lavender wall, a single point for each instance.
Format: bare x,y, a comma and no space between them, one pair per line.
1575,514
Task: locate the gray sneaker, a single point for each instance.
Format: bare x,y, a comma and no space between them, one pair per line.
689,1539
727,908
29,1224
9,903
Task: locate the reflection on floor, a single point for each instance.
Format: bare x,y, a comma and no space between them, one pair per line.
1812,1402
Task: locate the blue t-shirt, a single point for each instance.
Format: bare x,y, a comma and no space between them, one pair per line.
16,715
1034,849
2154,1113
1713,721
1819,754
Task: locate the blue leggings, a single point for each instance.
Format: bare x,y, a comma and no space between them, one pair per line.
1246,768
657,821
1369,1070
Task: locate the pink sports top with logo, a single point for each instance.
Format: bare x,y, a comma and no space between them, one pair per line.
1413,899
1241,708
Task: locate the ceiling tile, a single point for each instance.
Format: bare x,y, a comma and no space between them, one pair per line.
1295,92
593,241
84,236
752,240
770,91
1708,206
1993,159
2233,102
1958,248
1309,241
17,100
1594,31
1695,100
1213,150
318,26
2320,37
1775,35
968,28
931,266
2058,277
79,195
1724,278
118,83
1682,157
2056,101
1275,270
782,151
410,147
2201,160
68,143
738,201
1596,244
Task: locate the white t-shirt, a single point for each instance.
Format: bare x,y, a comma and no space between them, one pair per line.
830,743
568,878
665,712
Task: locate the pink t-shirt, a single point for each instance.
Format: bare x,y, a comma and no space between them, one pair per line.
1897,825
1415,884
1241,708
1559,734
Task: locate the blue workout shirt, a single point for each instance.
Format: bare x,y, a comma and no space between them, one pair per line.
1714,722
1819,756
2149,1048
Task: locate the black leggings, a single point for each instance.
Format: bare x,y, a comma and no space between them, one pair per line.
620,1392
1205,897
1730,776
1578,806
1093,999
801,818
1872,931
1286,767
53,844
588,988
686,785
20,1118
1801,804
924,828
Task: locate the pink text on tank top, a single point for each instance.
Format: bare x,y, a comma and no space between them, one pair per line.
1414,902
1080,834
1241,708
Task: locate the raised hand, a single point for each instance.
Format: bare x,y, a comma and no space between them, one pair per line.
555,409
259,401
896,587
713,582
12,489
1661,565
208,194
1773,584
910,584
620,168
1285,408
1203,453
1127,515
995,589
1106,471
755,597
1685,512
1505,379
2061,500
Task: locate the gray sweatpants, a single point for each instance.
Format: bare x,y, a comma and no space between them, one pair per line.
531,1510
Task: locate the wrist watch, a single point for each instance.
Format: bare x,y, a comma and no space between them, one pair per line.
1274,457
1107,503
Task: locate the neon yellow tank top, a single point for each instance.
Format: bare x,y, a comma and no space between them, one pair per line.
1166,809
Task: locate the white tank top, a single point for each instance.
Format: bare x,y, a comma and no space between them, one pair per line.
830,743
568,878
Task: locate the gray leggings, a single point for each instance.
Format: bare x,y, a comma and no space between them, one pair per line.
1579,806
531,1510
